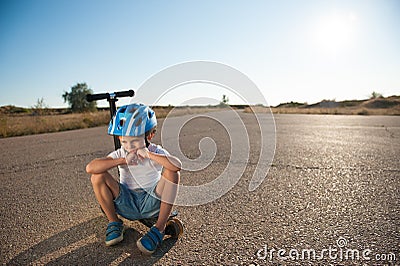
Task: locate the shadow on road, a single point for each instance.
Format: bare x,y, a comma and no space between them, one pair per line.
83,244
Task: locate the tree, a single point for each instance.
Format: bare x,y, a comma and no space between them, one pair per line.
224,100
77,98
375,95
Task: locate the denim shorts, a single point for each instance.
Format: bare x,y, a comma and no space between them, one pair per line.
137,204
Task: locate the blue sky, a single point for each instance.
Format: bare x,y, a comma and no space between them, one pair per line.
302,51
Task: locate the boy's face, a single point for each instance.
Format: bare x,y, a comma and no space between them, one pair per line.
132,143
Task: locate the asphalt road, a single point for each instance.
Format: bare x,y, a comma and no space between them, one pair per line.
333,189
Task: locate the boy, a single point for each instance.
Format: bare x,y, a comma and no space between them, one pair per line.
142,191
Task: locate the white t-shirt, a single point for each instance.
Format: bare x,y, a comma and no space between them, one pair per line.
144,175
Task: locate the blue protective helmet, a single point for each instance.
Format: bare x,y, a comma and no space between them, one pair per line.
132,120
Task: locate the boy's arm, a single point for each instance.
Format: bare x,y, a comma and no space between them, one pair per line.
169,162
101,165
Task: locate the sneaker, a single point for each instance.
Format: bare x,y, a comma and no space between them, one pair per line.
114,233
150,241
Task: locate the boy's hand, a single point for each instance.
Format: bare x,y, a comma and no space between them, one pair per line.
143,153
132,158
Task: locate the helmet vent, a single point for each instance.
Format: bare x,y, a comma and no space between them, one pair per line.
121,122
138,122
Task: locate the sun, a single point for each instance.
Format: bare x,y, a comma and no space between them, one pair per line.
334,33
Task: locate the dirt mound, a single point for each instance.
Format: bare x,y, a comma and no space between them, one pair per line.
382,103
324,104
11,109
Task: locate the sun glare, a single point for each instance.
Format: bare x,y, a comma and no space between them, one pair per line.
334,33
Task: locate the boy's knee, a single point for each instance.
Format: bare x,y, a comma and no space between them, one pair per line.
97,179
172,176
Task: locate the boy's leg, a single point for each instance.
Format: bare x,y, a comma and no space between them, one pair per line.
106,189
167,190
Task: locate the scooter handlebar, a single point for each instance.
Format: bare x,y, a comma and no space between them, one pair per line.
107,96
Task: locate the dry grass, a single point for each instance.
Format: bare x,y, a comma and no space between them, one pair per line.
24,123
18,125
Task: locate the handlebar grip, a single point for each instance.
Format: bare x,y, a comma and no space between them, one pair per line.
129,93
96,97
